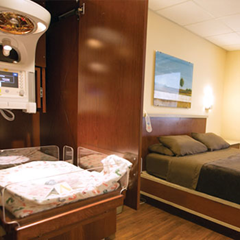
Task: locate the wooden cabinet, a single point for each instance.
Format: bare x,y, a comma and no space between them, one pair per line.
40,83
40,74
40,59
111,74
89,219
95,79
40,70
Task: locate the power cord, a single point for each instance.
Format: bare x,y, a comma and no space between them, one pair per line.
9,118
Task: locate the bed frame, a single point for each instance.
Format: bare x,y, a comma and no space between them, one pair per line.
211,208
93,218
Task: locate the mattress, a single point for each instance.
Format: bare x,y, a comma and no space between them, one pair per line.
185,170
40,185
157,165
216,173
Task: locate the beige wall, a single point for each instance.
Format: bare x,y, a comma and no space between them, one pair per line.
231,109
209,68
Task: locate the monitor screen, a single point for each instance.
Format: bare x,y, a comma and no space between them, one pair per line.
8,79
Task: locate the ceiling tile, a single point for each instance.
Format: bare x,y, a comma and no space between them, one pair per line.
215,20
232,21
160,4
219,8
225,39
185,13
209,28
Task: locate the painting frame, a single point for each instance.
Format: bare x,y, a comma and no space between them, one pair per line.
172,81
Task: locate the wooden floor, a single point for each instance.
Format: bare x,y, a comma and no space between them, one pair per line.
152,223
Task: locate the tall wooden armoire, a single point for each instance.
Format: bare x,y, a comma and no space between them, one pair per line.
95,76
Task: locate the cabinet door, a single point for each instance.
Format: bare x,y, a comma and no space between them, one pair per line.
40,81
40,59
112,36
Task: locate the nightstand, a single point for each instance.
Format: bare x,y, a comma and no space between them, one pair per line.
234,144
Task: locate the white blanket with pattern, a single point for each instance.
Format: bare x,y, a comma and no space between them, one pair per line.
40,185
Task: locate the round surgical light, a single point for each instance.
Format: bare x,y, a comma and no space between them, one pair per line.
15,23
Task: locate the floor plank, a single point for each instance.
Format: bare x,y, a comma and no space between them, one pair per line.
152,223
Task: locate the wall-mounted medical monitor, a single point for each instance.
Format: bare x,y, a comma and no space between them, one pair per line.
17,90
9,79
13,86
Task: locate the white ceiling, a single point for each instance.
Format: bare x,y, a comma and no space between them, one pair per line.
218,21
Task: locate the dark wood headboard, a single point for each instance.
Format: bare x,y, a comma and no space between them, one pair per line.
170,126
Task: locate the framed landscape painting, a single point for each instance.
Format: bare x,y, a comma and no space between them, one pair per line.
172,81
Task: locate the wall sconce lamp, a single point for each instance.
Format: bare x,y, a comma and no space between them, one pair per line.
6,43
208,107
208,98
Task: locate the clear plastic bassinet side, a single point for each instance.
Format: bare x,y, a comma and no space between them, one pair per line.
16,156
91,159
68,154
88,159
39,186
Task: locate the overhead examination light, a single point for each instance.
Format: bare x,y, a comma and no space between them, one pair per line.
22,23
22,17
